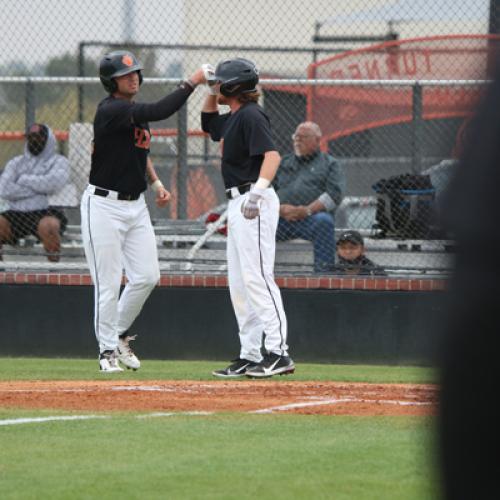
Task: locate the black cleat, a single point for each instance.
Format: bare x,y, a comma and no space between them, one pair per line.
272,364
238,368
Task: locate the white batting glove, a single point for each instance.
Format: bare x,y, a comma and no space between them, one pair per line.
209,73
250,207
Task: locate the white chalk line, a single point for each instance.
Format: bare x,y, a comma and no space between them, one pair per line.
316,401
35,420
306,404
291,406
15,421
334,401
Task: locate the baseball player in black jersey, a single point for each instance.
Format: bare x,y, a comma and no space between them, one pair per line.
116,227
249,163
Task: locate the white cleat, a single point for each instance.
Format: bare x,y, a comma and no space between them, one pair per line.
108,362
125,353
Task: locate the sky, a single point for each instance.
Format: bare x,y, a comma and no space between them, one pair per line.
416,10
35,30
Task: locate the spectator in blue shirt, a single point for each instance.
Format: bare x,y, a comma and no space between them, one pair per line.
310,185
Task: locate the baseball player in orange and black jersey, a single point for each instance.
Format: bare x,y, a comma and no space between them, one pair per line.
116,227
249,163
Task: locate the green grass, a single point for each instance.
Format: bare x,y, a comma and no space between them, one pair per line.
84,369
220,456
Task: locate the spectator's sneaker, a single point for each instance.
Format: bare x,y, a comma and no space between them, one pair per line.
238,368
108,362
125,353
272,364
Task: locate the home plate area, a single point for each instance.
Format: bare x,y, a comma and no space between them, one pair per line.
257,397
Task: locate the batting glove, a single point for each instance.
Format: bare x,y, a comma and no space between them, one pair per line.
250,207
209,73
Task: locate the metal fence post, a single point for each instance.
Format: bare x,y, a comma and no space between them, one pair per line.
182,155
417,128
29,103
206,150
81,72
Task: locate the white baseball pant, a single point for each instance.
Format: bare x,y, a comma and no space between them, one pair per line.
118,235
256,299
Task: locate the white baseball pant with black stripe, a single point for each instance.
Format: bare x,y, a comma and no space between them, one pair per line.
256,299
118,235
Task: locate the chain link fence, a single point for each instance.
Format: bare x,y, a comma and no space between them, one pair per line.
391,85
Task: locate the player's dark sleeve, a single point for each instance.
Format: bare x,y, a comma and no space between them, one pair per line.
120,113
213,124
257,130
155,111
114,114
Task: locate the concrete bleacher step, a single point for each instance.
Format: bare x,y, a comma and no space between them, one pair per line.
177,238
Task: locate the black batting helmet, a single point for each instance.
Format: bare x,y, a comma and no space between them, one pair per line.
117,63
236,76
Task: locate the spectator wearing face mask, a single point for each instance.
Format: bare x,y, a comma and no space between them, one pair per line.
25,184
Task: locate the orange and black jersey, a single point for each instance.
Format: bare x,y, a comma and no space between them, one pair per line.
122,138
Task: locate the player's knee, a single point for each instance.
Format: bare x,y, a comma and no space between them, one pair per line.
253,280
149,279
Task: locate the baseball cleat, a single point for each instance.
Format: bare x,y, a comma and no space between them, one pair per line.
238,368
108,362
125,353
272,364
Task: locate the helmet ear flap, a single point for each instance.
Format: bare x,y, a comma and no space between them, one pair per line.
228,90
140,77
109,84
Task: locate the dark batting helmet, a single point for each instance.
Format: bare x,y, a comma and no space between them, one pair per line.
117,63
236,76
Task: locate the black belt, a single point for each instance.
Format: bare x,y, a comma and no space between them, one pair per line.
121,196
241,189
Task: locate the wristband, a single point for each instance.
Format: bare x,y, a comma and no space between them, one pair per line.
262,183
257,193
188,83
157,184
308,211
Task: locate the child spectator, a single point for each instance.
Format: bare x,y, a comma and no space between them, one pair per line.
351,258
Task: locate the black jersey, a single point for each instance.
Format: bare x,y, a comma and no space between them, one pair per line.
245,136
122,138
120,148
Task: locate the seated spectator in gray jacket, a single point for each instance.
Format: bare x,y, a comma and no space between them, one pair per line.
351,258
310,185
25,184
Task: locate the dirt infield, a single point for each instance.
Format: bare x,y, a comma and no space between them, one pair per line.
321,398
